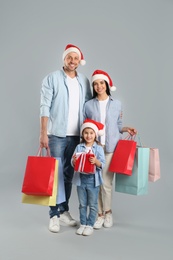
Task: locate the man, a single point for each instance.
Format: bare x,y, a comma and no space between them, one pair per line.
63,94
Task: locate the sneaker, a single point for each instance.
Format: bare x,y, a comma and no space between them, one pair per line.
54,224
99,222
67,219
80,230
87,231
108,220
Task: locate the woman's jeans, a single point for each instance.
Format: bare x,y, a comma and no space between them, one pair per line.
88,196
63,147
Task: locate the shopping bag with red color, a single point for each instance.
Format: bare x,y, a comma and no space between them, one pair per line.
46,200
123,157
154,165
39,175
83,164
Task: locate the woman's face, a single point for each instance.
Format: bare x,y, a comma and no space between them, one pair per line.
99,86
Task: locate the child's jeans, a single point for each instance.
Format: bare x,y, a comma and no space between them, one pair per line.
88,196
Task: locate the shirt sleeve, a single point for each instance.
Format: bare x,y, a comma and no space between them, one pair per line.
120,121
101,156
46,96
88,95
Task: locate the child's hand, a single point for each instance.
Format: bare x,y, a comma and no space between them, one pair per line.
92,159
74,159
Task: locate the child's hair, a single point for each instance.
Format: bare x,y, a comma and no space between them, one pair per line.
107,90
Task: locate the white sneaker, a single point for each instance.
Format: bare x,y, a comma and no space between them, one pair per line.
108,220
99,222
67,219
87,231
54,224
80,230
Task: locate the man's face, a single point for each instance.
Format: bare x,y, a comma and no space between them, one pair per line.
71,61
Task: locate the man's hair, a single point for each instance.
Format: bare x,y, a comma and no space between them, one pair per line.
107,90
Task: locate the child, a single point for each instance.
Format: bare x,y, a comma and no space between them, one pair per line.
88,183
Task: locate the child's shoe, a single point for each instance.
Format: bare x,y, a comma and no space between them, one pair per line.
87,231
80,230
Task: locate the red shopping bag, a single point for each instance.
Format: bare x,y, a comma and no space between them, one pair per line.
39,175
123,157
83,164
45,200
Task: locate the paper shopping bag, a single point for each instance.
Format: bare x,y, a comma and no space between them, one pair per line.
39,175
83,164
123,157
44,200
61,187
154,165
137,183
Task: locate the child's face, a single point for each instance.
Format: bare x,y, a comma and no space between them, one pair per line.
89,135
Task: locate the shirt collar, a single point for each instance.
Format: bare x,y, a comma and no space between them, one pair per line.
65,75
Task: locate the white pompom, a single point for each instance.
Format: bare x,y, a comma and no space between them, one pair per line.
113,88
82,62
101,132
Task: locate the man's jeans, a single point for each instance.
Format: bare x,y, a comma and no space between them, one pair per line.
63,147
88,196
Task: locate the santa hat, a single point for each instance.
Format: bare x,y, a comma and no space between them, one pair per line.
72,48
96,126
100,74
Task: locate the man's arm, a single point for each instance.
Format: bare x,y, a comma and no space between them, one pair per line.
43,132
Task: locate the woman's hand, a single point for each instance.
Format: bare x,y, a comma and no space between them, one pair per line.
131,130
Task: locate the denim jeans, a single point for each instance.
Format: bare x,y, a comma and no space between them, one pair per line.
88,196
63,147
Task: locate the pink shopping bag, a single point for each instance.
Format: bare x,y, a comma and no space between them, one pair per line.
154,165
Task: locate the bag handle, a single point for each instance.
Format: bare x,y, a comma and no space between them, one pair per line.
130,137
47,151
133,137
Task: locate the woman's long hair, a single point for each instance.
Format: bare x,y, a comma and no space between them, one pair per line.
107,90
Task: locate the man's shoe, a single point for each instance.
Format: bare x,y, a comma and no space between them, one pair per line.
80,230
54,224
87,231
108,220
99,222
67,219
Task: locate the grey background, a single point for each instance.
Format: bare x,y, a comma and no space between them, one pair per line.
131,40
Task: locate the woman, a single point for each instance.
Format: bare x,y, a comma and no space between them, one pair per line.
108,111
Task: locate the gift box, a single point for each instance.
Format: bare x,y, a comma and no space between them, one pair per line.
83,164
